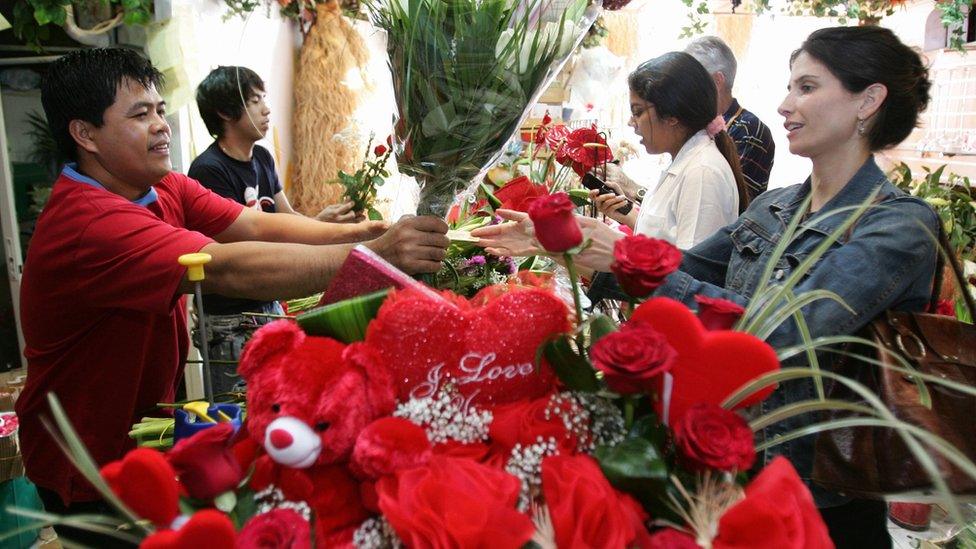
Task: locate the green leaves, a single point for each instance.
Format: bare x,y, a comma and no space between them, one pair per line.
636,467
573,370
346,320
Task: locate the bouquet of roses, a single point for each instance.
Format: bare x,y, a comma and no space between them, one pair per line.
464,73
361,187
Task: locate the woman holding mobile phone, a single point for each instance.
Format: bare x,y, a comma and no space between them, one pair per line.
673,110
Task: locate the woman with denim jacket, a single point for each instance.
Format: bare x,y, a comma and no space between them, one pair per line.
673,110
852,91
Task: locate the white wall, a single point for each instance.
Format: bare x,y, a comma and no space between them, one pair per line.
263,42
763,71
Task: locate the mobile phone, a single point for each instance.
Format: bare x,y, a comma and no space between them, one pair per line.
594,183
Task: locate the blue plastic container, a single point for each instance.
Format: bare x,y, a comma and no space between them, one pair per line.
188,424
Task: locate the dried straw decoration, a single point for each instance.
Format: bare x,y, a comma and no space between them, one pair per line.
324,106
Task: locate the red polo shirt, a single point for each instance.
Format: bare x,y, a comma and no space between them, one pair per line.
104,326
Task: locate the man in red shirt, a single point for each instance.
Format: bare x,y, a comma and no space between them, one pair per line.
102,300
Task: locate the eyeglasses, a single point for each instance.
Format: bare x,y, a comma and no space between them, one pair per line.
635,114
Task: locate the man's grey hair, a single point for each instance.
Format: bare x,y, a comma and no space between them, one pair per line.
715,55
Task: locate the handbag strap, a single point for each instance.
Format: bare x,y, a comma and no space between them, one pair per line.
945,257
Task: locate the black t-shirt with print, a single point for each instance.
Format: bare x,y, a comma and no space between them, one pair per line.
253,184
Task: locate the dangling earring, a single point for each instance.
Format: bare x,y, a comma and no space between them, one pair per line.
860,126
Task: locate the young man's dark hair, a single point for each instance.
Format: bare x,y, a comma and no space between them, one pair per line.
82,85
225,91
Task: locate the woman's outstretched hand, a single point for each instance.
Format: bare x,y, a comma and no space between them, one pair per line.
514,238
598,256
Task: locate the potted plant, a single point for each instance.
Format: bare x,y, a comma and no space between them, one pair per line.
84,20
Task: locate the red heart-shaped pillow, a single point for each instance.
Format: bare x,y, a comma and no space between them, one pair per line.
208,528
146,482
711,365
487,350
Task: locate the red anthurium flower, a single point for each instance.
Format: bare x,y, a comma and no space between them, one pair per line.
205,463
519,193
146,483
556,141
586,148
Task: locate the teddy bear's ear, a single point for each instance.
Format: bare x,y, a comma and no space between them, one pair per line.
270,341
380,392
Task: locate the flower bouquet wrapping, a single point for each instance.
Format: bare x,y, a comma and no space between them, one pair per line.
464,73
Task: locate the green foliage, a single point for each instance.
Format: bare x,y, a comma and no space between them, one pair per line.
952,197
346,320
463,73
362,186
32,17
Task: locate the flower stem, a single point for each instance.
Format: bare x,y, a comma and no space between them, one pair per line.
629,406
574,279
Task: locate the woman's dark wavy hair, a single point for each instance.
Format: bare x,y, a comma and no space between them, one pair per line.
862,56
679,86
82,85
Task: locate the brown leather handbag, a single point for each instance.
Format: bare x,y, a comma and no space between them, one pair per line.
872,462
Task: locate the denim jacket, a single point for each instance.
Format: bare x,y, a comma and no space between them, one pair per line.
886,262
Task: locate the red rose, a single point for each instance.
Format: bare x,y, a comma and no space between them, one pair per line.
388,445
631,358
669,538
525,422
519,193
711,437
454,502
555,224
380,150
474,451
717,313
642,263
279,528
205,463
586,511
777,512
146,483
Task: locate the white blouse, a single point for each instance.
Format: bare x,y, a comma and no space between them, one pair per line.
695,197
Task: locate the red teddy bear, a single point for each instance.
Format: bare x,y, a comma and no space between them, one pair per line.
308,399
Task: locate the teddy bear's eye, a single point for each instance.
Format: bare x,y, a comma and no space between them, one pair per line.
321,426
276,407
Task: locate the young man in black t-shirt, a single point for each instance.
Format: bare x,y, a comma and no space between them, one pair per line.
232,104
